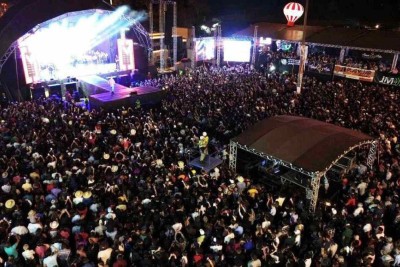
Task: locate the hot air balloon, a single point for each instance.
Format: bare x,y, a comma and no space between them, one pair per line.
293,11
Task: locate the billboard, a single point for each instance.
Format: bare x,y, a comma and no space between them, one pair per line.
237,50
387,79
354,73
205,49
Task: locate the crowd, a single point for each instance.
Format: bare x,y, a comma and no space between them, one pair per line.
113,188
314,58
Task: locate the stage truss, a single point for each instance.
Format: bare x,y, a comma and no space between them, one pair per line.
315,177
139,31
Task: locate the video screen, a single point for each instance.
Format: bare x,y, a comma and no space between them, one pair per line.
205,49
237,50
77,44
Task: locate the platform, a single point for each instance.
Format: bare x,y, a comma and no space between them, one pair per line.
99,92
209,163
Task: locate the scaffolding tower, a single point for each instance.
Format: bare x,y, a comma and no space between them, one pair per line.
162,8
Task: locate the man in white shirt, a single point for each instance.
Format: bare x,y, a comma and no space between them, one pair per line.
111,82
362,188
105,253
50,261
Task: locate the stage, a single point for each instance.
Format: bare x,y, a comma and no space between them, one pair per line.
99,92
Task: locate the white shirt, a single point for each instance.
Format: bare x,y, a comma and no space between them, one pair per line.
104,255
273,211
307,262
358,211
361,188
33,227
50,261
397,260
28,254
228,238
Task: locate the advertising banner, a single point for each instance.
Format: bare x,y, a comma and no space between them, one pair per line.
320,68
387,78
354,73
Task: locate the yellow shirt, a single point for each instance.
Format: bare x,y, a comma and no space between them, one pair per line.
252,192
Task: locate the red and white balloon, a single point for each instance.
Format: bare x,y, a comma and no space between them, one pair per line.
293,11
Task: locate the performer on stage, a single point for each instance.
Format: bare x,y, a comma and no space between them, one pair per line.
111,82
203,146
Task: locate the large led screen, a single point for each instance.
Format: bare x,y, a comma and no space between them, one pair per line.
237,50
205,49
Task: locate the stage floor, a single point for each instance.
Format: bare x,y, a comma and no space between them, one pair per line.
100,95
209,163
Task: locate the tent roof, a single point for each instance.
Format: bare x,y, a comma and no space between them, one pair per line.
379,40
306,143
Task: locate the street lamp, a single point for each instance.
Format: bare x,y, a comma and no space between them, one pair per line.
303,56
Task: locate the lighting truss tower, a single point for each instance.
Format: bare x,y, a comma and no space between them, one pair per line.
161,20
218,44
151,26
193,47
253,55
162,9
175,34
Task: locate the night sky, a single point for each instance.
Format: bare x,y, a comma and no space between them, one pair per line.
334,12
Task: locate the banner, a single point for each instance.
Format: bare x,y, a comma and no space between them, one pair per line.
292,65
320,67
387,78
354,73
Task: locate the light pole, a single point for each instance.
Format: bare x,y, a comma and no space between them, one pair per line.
303,55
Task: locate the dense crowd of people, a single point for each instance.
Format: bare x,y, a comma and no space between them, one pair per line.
368,62
113,187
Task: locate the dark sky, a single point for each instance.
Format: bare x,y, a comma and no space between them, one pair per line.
329,11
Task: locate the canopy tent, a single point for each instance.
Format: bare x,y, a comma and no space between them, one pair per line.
341,37
305,145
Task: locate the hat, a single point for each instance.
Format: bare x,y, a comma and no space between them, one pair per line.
106,156
54,225
113,132
87,194
240,179
10,203
181,164
367,227
202,232
4,175
31,213
114,168
78,194
178,227
123,198
76,218
121,207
